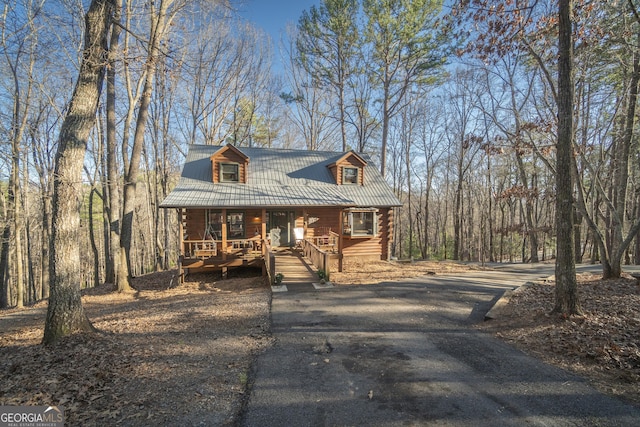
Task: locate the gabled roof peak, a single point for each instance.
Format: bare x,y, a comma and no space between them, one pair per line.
231,147
346,155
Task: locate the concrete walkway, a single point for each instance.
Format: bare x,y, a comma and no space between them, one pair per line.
405,353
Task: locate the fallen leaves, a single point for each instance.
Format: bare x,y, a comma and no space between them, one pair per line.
603,344
162,355
181,355
360,272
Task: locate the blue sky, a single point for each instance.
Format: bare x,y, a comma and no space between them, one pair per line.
274,15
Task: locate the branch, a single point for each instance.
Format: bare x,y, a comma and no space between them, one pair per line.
634,11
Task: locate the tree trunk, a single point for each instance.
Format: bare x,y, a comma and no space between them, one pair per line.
427,219
385,130
577,235
33,291
92,241
636,258
490,217
457,214
4,267
16,220
566,290
112,198
65,314
343,125
528,212
621,171
46,241
131,173
44,171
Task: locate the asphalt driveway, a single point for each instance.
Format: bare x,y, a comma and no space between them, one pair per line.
404,353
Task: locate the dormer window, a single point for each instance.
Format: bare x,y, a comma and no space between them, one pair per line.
348,169
349,175
229,172
229,164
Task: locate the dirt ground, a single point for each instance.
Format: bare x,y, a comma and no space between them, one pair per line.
362,273
182,355
602,345
164,356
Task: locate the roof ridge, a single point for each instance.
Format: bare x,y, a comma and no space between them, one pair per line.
282,149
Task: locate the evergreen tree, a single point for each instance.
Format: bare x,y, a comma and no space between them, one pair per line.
327,45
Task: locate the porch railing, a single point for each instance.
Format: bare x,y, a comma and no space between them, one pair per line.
269,261
200,248
209,248
327,241
317,256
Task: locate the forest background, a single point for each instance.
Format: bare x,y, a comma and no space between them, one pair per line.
456,102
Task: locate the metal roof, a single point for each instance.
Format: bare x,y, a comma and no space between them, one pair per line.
276,178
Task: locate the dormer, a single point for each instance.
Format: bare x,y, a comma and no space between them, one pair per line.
229,164
348,169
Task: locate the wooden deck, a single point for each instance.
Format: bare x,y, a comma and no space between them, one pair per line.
294,267
217,262
290,262
204,255
298,265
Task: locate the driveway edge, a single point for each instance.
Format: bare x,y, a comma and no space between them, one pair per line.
499,306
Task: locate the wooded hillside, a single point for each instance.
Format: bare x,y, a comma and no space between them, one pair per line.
458,107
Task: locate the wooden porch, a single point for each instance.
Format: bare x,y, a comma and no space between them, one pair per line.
299,264
204,254
219,239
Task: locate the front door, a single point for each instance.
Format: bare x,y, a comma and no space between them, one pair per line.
280,227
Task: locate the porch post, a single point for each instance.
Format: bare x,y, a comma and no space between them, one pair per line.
180,245
265,252
340,242
224,241
389,234
223,228
305,217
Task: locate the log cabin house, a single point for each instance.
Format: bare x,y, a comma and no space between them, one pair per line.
237,205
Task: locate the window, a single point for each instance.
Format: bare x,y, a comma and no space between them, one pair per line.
349,175
214,225
229,172
360,223
235,225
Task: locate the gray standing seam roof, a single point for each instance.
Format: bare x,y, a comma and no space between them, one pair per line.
276,178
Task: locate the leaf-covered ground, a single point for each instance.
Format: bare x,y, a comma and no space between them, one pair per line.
178,356
369,272
602,345
182,355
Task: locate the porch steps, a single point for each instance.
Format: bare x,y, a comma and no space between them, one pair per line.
294,268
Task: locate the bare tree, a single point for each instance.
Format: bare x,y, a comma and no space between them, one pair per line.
160,17
310,108
506,107
566,301
361,114
327,46
430,133
406,49
465,138
112,196
20,47
65,314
